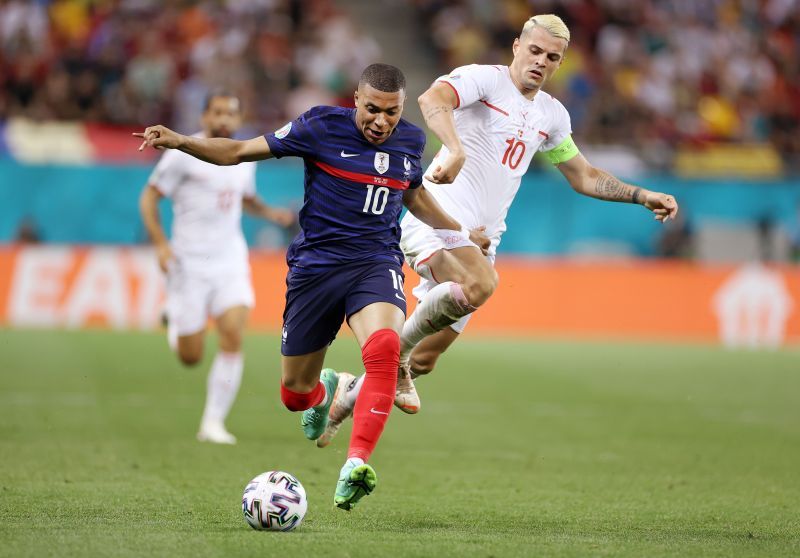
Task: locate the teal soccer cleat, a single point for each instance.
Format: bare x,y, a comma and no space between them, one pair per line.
315,419
355,482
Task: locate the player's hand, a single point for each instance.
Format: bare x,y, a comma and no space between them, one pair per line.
446,172
165,256
159,137
281,216
663,206
478,236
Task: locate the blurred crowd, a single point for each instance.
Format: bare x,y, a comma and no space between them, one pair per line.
137,62
651,73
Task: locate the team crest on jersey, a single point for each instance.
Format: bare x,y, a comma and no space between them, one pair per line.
381,162
281,133
407,167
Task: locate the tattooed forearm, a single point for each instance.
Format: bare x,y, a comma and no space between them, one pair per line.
609,188
434,111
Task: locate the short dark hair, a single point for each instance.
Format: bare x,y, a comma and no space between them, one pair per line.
383,77
217,93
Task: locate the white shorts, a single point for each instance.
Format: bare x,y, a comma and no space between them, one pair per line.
192,298
419,243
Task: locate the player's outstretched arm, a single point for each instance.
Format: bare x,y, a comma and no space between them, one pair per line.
437,105
254,205
596,183
219,151
425,208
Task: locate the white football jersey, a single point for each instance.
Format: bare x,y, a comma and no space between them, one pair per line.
207,210
500,130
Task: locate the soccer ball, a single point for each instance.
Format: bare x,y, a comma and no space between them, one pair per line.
274,501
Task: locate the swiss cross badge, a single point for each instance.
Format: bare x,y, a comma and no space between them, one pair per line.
381,162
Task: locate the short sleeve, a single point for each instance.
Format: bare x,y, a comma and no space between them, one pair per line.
299,138
560,128
168,174
472,83
249,178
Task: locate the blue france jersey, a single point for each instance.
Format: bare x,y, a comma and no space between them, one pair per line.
353,188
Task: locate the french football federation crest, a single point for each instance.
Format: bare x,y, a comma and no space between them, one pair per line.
406,166
381,162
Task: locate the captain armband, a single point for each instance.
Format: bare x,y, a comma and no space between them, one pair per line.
563,152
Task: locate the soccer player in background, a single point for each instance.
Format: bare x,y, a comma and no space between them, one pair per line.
361,166
491,120
205,261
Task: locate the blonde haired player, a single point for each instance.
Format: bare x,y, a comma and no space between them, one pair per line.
205,262
491,120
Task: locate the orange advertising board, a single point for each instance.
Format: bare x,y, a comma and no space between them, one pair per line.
122,288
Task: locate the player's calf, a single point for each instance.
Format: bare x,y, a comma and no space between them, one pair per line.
381,356
189,356
423,362
300,401
190,348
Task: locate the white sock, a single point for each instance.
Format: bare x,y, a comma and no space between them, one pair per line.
352,392
441,307
223,385
172,335
355,461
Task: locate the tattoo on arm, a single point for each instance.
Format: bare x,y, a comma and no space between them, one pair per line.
434,111
611,189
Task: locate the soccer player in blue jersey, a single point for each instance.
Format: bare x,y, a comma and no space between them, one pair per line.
362,166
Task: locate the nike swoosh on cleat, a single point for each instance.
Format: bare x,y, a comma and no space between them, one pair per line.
372,410
343,154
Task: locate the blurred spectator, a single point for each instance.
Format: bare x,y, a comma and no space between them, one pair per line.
27,232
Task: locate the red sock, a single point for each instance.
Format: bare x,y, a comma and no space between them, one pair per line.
381,356
295,401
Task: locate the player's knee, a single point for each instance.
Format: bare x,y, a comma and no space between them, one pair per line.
383,345
479,288
230,340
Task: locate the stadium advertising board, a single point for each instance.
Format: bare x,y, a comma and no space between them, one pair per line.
751,305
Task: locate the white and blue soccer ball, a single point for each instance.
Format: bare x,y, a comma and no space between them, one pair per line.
274,501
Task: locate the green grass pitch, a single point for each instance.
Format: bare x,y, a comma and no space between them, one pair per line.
522,448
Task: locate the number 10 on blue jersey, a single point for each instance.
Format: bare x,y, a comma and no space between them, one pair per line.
381,196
